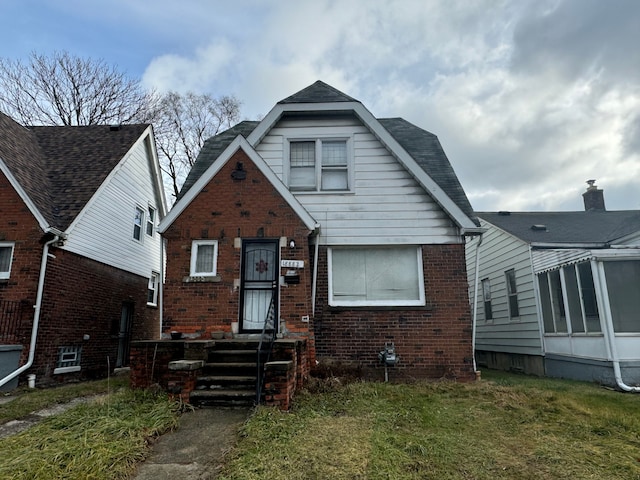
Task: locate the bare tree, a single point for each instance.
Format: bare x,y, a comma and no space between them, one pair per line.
67,90
182,123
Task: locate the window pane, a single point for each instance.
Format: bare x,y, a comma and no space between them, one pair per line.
137,224
334,153
486,295
5,259
348,274
557,304
151,221
302,178
545,300
589,297
573,299
335,180
623,283
204,261
303,154
375,275
512,290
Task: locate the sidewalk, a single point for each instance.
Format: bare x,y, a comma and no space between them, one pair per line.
194,451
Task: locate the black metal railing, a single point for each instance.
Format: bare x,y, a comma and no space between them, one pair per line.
10,321
265,346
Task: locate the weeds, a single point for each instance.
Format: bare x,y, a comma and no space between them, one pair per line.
100,439
503,428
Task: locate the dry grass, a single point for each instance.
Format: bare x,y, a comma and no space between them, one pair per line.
101,439
503,427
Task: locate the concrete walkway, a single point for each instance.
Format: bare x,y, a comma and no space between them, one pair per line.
196,448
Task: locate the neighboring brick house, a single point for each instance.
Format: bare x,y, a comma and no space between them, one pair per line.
80,258
350,230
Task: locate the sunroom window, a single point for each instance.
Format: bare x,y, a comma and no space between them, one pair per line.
375,276
331,173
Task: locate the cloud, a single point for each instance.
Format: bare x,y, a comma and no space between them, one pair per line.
529,98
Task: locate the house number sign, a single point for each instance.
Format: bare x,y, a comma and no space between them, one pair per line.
292,263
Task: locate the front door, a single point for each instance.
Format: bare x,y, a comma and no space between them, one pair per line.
259,284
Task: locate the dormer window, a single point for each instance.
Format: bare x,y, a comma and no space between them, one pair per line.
319,165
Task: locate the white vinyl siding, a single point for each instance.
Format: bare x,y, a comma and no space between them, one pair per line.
500,252
204,258
6,258
103,231
375,276
384,204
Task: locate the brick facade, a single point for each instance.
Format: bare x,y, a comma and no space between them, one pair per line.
80,297
230,210
431,342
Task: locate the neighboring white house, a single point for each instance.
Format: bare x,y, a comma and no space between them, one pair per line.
558,293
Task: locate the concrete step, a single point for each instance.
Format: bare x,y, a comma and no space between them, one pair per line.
222,397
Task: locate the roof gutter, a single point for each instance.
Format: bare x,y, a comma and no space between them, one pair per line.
57,237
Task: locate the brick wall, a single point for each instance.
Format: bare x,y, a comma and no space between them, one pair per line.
226,210
80,297
432,341
85,297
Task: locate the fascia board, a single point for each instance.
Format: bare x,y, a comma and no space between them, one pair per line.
448,205
157,172
238,143
23,195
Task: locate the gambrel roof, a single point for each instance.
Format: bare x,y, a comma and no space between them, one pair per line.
57,169
418,150
593,228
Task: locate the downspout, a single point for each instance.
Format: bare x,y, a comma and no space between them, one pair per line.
314,280
161,287
36,315
475,304
610,334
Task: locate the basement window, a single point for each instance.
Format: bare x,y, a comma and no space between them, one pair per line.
68,359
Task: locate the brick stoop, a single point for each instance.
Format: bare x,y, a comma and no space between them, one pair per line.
229,375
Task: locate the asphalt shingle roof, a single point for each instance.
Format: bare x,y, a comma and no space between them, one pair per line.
588,227
60,168
423,146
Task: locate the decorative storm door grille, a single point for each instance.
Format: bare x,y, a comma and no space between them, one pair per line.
259,276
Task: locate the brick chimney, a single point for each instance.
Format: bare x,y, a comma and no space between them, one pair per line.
593,197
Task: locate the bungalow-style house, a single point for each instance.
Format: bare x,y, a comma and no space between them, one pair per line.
558,293
344,231
80,257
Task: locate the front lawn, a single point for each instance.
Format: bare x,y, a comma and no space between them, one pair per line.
503,427
101,439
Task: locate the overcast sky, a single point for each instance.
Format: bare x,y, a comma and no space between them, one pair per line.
529,98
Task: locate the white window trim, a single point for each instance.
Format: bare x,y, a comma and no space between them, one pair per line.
143,224
6,275
155,277
318,139
151,221
420,302
195,244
